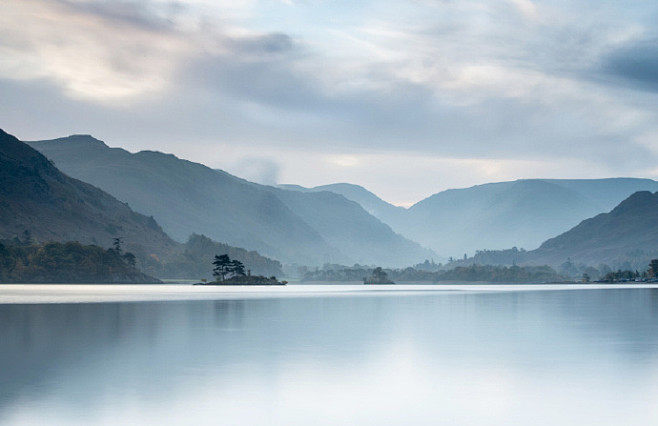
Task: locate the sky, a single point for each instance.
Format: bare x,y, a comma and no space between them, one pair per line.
406,98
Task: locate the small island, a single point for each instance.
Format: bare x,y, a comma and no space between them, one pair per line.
378,277
231,272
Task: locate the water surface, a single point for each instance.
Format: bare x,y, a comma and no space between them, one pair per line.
455,355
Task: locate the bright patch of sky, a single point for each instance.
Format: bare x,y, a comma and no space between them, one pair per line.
406,98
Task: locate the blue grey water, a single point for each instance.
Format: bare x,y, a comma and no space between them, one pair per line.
516,357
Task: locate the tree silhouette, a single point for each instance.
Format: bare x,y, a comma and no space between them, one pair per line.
222,266
236,268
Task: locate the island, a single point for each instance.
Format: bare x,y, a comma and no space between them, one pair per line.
231,272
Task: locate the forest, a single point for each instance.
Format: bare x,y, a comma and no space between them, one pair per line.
69,262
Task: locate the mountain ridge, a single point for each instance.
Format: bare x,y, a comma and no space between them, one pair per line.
183,195
499,215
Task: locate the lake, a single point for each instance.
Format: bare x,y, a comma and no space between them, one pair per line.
329,355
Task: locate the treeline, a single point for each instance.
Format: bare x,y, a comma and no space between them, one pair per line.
192,260
502,274
650,275
484,273
69,262
634,260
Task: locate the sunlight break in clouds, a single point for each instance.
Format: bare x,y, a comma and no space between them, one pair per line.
90,57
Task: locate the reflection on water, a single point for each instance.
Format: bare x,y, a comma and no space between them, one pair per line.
540,358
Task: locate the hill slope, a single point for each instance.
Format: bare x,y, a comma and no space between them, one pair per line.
628,233
345,224
386,212
36,197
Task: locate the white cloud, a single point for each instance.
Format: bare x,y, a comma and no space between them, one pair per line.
343,160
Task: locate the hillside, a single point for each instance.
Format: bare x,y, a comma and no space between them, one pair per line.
386,212
36,197
627,233
345,224
189,198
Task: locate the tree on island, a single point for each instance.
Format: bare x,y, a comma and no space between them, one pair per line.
222,264
231,272
237,268
227,268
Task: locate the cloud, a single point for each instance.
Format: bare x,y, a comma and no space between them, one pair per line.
522,81
527,8
267,44
635,64
145,14
114,52
93,51
261,170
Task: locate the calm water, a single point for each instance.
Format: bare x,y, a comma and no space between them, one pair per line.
519,357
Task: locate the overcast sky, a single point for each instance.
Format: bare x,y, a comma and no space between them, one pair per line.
405,97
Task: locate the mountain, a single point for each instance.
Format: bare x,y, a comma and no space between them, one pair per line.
521,213
189,198
36,197
386,212
345,224
627,233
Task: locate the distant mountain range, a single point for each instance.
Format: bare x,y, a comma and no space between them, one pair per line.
624,238
522,213
188,198
339,223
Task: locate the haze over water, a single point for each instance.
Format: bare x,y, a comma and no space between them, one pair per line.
380,356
